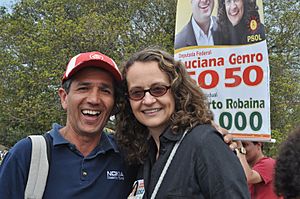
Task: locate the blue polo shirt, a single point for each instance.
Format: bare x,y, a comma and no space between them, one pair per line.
102,174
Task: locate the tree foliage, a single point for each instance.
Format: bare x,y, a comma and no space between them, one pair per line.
283,37
38,37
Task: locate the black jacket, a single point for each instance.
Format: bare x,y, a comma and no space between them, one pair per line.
203,167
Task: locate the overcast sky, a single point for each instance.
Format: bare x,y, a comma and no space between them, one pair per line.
7,3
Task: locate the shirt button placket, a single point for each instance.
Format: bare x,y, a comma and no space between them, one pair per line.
84,172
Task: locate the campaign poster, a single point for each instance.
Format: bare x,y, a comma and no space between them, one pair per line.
223,46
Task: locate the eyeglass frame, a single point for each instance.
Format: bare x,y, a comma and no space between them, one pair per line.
149,90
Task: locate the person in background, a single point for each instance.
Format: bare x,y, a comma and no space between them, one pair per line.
165,123
239,22
287,168
85,162
200,30
258,168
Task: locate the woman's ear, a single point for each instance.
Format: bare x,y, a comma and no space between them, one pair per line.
63,98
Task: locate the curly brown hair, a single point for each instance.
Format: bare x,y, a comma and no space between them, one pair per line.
287,168
191,105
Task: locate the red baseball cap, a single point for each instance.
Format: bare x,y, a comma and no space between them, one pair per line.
89,59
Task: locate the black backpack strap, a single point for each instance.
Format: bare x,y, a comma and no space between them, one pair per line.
48,140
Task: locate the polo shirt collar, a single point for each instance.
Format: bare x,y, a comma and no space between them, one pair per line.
106,141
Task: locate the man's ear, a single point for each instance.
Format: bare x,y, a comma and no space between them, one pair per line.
63,98
259,144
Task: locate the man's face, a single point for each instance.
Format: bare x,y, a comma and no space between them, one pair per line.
89,102
252,151
202,10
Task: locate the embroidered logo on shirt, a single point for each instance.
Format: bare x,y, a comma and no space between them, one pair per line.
114,175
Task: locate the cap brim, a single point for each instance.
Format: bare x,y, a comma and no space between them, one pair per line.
95,63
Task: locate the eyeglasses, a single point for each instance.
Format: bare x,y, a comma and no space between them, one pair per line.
156,91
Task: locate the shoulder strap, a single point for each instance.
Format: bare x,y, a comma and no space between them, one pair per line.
49,144
165,169
39,167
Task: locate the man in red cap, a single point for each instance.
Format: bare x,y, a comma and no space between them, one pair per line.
85,162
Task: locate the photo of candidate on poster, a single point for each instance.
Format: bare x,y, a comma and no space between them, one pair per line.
221,22
223,47
239,22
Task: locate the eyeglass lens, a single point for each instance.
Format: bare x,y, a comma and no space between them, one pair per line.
156,91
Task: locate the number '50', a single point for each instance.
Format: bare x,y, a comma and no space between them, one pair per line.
233,75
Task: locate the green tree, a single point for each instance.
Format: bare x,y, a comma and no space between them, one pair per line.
283,37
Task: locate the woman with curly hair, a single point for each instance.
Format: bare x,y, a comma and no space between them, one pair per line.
239,22
287,168
165,124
